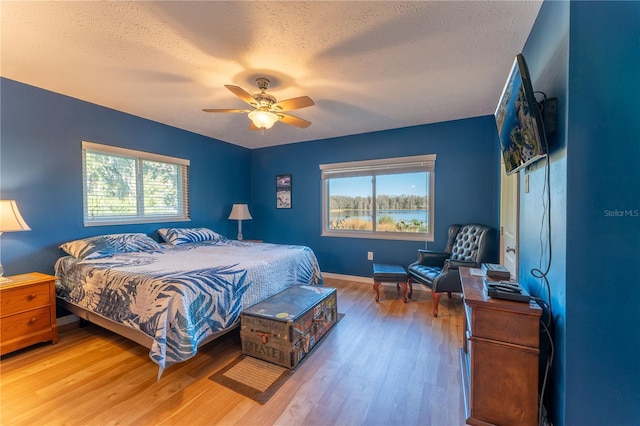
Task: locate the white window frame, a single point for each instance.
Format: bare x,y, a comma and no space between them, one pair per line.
139,157
425,163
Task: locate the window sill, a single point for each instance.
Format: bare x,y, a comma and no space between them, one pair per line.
397,236
131,221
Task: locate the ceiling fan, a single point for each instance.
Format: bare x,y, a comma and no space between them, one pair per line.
266,110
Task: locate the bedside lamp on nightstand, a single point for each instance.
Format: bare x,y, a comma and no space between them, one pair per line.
240,212
10,221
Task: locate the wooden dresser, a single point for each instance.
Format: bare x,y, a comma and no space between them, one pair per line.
499,357
27,311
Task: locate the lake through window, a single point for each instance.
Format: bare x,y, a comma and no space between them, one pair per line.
388,199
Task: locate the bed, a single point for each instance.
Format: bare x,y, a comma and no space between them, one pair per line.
176,296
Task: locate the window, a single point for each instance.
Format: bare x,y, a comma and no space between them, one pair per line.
126,186
388,199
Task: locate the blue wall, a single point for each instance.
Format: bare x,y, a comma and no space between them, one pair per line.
41,168
603,315
547,55
588,55
466,188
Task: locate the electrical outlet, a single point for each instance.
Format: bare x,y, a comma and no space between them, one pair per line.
370,255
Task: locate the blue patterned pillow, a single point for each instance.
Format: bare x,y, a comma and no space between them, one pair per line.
91,248
108,245
177,236
137,242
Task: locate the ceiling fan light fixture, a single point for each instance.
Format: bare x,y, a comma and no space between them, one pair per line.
266,110
263,119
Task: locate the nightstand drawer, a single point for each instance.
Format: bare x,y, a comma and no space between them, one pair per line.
24,298
27,311
26,323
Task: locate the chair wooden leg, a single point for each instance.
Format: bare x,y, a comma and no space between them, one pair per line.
410,283
436,301
449,294
376,287
404,291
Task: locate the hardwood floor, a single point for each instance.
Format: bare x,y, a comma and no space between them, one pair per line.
386,363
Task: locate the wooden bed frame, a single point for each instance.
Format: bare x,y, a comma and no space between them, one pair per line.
124,331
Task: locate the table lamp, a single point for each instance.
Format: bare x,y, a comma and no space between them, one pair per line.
240,212
10,221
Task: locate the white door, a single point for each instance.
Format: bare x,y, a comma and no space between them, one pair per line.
509,219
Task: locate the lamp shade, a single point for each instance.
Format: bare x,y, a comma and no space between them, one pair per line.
240,212
263,119
10,218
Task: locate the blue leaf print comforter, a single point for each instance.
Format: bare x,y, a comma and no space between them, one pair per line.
183,294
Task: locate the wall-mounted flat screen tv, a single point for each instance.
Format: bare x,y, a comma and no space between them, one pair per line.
519,121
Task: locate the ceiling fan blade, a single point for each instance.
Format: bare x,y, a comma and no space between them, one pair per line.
226,110
293,103
242,94
294,121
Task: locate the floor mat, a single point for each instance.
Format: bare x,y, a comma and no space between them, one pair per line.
258,379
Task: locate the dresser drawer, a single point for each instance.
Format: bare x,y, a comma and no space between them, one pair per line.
26,323
27,311
24,298
506,326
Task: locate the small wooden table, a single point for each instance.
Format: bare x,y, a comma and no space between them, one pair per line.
383,273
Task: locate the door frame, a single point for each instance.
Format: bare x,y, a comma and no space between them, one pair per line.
509,205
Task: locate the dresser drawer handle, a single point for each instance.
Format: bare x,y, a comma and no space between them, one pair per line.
33,320
32,296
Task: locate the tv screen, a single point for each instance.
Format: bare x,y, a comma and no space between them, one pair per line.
518,119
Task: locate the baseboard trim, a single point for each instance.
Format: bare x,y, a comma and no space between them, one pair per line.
67,322
347,277
368,280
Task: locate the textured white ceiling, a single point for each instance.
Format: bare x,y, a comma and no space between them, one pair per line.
367,65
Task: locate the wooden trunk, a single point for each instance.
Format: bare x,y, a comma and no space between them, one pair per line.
285,327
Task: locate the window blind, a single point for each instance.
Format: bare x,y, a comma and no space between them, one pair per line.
385,166
129,186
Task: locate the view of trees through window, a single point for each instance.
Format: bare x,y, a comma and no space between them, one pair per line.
160,182
111,185
122,186
401,203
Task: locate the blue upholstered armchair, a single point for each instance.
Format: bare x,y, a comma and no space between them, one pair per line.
468,245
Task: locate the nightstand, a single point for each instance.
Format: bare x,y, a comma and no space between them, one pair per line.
27,311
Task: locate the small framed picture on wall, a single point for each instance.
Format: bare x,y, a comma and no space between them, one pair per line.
283,191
